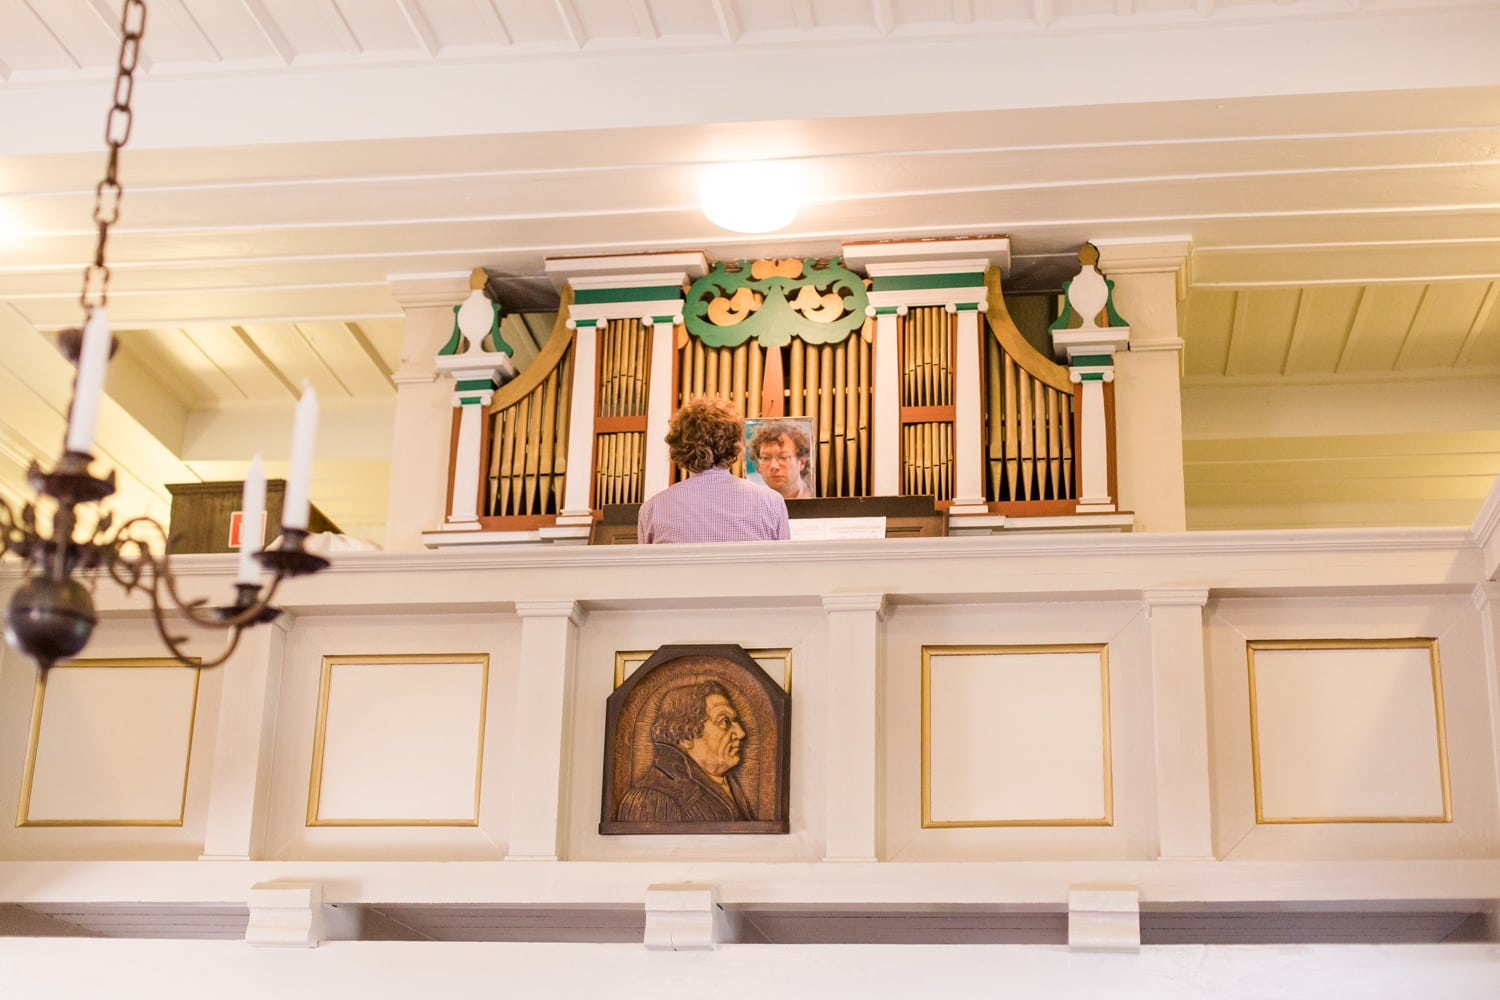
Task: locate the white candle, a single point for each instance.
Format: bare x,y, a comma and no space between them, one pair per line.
299,480
252,514
93,359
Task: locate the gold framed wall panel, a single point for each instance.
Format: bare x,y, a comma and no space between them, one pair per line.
1440,723
1106,818
628,659
33,744
320,734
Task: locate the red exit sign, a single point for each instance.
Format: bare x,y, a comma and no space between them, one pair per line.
237,526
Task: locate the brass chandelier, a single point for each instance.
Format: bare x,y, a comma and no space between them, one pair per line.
51,615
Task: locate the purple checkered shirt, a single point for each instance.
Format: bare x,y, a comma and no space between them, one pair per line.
713,506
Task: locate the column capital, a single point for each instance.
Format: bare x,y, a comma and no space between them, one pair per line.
442,288
1485,595
1167,256
1486,531
571,610
1184,597
857,602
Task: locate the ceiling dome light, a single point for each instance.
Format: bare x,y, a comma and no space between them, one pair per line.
756,197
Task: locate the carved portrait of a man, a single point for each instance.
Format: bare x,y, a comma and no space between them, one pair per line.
696,743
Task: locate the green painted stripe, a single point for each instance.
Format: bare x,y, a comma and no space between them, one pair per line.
1091,376
887,310
965,307
471,400
595,296
1091,359
482,384
662,319
910,282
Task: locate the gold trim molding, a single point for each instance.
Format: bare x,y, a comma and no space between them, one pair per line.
320,733
1107,819
625,659
1434,661
33,741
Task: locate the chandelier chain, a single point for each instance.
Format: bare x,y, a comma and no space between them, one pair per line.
116,133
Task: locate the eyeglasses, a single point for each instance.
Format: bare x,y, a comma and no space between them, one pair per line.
783,458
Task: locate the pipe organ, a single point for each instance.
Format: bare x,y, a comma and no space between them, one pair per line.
888,366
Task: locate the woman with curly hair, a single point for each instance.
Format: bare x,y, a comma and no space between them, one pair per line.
712,504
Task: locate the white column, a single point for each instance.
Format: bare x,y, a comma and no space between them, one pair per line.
1150,279
1094,445
481,377
424,408
239,791
576,509
544,707
968,441
1486,598
466,466
1184,816
659,405
885,445
852,728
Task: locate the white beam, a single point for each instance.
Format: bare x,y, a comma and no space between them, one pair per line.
941,75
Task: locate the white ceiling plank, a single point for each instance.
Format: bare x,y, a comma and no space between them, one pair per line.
496,21
28,44
419,25
284,346
62,46
383,337
1384,316
1441,325
274,36
194,378
567,13
358,370
208,42
249,374
346,30
1207,330
1324,317
1484,315
389,28
36,382
729,19
645,23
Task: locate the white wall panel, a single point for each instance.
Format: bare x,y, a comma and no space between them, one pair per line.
400,740
1015,736
110,744
1019,776
1345,744
127,753
1351,733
